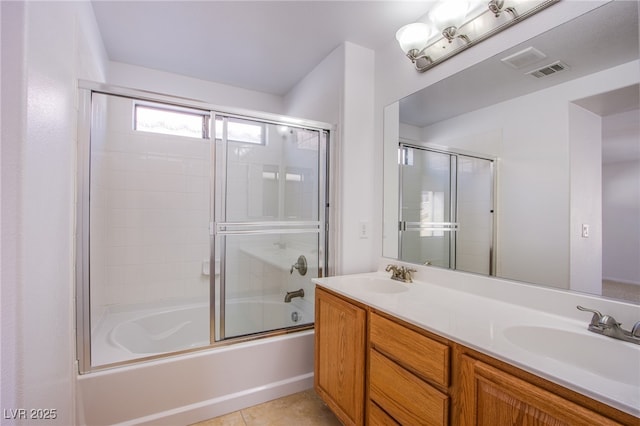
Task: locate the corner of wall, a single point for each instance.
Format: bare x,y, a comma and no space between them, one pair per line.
361,244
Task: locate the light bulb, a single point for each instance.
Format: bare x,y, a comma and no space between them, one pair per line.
413,36
449,13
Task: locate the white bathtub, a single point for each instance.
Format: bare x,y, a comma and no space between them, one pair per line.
127,335
187,388
165,331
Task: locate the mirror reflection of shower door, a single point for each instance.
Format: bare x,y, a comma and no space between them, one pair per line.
426,211
446,209
475,207
269,211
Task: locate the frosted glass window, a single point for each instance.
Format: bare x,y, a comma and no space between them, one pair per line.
244,131
168,121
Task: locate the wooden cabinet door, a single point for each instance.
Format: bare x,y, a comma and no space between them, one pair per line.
340,356
492,397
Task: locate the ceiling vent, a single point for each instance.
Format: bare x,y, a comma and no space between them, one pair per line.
524,58
547,70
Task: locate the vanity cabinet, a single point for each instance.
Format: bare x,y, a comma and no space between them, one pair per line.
408,373
340,339
491,396
414,377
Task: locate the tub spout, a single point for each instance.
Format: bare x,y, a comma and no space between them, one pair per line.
291,294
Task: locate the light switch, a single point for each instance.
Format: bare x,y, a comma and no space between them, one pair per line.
364,229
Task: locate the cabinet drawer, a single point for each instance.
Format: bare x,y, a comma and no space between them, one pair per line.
405,397
377,416
423,355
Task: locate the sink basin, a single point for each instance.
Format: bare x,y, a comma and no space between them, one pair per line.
376,285
604,356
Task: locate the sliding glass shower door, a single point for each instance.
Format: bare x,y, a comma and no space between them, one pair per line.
446,209
269,224
146,249
193,226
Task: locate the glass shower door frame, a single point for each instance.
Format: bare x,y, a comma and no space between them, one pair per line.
452,226
448,227
221,228
86,89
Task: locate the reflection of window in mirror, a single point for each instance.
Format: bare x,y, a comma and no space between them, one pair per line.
431,210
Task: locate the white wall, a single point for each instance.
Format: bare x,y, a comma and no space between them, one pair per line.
46,47
585,162
340,90
621,202
358,161
141,78
319,94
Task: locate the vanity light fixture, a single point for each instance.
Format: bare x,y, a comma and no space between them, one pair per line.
452,26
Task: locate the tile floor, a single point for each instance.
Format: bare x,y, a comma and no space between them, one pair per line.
300,409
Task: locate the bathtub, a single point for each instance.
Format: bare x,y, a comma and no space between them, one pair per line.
127,335
186,388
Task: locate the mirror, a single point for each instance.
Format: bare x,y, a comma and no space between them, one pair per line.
559,114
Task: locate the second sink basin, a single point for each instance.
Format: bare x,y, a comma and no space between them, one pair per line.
606,357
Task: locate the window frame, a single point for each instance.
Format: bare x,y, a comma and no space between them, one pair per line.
205,115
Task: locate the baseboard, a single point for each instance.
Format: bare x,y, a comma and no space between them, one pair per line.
215,407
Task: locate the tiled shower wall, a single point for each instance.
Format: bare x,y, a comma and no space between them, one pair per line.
149,212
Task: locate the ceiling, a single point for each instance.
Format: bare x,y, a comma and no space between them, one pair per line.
266,46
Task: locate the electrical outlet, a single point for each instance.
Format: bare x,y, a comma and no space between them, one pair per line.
585,230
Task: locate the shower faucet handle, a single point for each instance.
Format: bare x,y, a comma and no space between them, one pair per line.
300,265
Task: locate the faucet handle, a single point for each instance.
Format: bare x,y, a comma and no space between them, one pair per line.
391,268
597,316
408,277
300,265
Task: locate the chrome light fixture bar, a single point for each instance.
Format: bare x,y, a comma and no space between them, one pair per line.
455,25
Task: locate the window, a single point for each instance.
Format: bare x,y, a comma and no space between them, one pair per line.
244,131
168,120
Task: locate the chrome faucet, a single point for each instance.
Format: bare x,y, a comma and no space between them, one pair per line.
608,326
400,273
291,294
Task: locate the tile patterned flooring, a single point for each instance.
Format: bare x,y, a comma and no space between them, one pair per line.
300,409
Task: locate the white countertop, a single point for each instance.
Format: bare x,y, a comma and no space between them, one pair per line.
458,311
